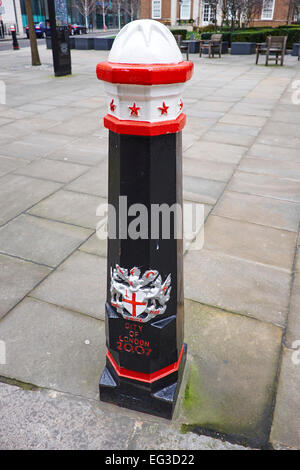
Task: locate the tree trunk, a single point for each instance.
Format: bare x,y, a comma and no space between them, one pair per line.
86,14
103,14
35,58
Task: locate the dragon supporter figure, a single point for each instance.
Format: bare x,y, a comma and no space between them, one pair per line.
137,297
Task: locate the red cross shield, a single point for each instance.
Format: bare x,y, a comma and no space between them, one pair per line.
134,302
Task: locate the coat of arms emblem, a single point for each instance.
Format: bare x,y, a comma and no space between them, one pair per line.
137,297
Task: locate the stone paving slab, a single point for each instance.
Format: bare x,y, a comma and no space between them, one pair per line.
80,153
95,246
293,327
41,240
286,424
94,182
17,278
69,358
224,373
75,127
265,185
287,116
60,172
23,127
237,285
18,193
251,110
289,170
78,284
260,210
70,207
49,420
8,164
216,171
236,128
213,151
279,140
252,242
215,135
202,190
241,119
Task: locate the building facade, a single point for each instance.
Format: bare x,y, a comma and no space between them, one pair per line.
275,13
40,13
170,11
199,12
10,14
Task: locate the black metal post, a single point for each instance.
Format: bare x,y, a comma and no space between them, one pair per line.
60,42
14,38
144,309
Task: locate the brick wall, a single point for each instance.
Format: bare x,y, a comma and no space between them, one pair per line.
146,10
280,15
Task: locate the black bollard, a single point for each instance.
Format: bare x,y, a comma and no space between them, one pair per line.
14,38
144,78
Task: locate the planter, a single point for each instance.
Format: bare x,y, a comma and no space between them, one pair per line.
49,42
243,48
103,44
84,43
194,45
224,49
295,50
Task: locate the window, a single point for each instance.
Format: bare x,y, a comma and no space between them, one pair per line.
208,15
185,9
156,9
267,10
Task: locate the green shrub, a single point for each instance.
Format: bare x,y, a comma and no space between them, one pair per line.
180,32
250,36
206,29
293,35
196,34
285,26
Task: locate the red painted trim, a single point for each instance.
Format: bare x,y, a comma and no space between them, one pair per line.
145,74
120,126
141,376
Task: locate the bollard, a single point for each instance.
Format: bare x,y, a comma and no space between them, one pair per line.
14,38
144,78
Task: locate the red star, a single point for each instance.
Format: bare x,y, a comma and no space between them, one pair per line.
134,110
164,108
180,105
112,106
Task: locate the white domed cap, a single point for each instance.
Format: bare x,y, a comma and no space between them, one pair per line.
145,42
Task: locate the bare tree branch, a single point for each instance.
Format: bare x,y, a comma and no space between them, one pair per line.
85,8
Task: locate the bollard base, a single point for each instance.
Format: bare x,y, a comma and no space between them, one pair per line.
157,398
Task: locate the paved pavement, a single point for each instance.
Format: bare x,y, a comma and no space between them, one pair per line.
242,161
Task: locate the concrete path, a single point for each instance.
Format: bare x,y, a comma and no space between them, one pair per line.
242,161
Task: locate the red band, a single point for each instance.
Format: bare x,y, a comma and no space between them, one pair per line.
120,126
145,74
142,377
